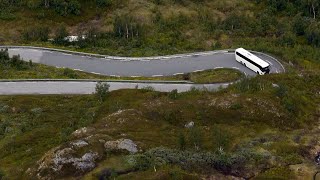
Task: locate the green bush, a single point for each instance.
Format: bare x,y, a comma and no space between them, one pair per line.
252,85
173,94
70,73
2,175
196,137
189,160
292,159
103,3
236,106
280,173
102,90
15,62
38,33
67,7
220,138
8,16
140,162
60,35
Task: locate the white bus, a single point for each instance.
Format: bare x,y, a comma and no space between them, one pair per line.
252,62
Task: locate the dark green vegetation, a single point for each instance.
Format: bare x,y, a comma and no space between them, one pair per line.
143,28
265,127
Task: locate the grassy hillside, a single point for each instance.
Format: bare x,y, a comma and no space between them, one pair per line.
280,133
262,128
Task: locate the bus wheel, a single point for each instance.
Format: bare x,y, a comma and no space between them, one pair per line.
244,64
258,72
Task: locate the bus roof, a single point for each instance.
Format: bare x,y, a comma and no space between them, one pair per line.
253,57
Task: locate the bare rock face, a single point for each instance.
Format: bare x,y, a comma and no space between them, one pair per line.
121,144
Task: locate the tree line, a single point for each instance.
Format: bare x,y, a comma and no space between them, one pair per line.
61,7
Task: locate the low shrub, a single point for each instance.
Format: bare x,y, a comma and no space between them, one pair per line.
173,94
201,161
281,173
70,73
37,33
7,16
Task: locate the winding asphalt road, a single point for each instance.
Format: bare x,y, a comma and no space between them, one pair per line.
124,66
165,66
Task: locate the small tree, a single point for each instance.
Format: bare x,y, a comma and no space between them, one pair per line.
102,90
173,94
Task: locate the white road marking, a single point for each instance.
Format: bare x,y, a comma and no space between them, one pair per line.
95,73
157,75
135,76
235,68
218,68
177,74
269,62
199,70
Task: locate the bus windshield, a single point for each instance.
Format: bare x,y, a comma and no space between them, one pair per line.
266,69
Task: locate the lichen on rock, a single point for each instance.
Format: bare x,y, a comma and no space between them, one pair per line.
121,144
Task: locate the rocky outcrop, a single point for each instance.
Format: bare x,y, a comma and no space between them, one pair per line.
78,157
121,144
88,146
64,161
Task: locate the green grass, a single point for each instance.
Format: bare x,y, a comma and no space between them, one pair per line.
34,132
252,114
31,125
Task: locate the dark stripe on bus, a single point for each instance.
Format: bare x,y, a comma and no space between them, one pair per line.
250,61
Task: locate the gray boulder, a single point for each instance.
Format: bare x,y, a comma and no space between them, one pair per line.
189,125
121,144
